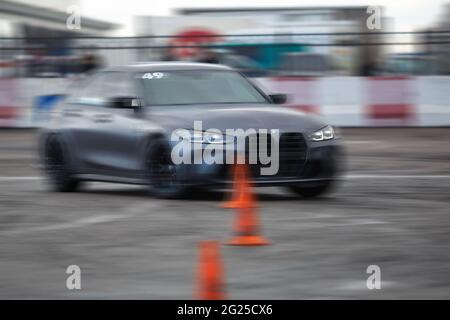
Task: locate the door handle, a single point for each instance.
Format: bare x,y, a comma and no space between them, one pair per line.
72,113
103,117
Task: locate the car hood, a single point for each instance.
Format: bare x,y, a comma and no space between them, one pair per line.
224,117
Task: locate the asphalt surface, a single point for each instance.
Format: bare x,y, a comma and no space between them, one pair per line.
391,211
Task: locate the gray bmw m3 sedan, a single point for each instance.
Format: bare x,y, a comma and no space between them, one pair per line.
173,126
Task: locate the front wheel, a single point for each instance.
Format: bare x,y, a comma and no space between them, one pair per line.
56,167
312,191
162,173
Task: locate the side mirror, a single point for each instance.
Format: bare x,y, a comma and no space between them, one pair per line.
125,103
278,98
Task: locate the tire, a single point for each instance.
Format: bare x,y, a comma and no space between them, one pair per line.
56,167
161,172
312,191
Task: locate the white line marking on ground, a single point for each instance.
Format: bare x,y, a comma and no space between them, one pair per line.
145,207
19,178
361,285
349,176
351,222
72,224
397,176
363,141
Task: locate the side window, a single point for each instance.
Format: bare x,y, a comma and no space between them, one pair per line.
90,91
118,84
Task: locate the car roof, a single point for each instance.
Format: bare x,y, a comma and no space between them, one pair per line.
165,66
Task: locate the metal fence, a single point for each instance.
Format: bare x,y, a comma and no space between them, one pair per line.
290,54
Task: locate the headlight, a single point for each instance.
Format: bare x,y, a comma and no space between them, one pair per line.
325,133
204,137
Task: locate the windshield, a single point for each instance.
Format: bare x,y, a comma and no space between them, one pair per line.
181,87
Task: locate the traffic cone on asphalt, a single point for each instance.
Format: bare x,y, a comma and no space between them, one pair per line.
242,195
247,228
210,284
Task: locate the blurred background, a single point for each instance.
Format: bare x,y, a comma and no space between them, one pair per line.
313,53
384,79
297,40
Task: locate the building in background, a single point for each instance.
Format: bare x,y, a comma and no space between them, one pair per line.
436,47
333,22
28,32
47,18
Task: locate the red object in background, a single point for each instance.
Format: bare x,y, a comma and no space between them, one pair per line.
8,96
192,37
390,100
302,93
390,111
304,108
7,112
7,64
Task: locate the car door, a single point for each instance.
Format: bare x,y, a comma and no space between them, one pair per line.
77,120
116,129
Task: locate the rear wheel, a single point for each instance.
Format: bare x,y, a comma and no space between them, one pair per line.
312,191
56,167
162,172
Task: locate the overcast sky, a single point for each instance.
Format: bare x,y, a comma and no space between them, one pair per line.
407,14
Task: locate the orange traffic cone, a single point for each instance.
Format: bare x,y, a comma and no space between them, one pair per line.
242,195
210,273
247,229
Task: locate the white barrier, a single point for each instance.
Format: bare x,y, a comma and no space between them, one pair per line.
342,101
370,101
433,101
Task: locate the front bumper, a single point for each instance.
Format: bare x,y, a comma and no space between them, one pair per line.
324,161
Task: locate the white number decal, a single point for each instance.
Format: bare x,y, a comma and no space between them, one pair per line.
153,75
